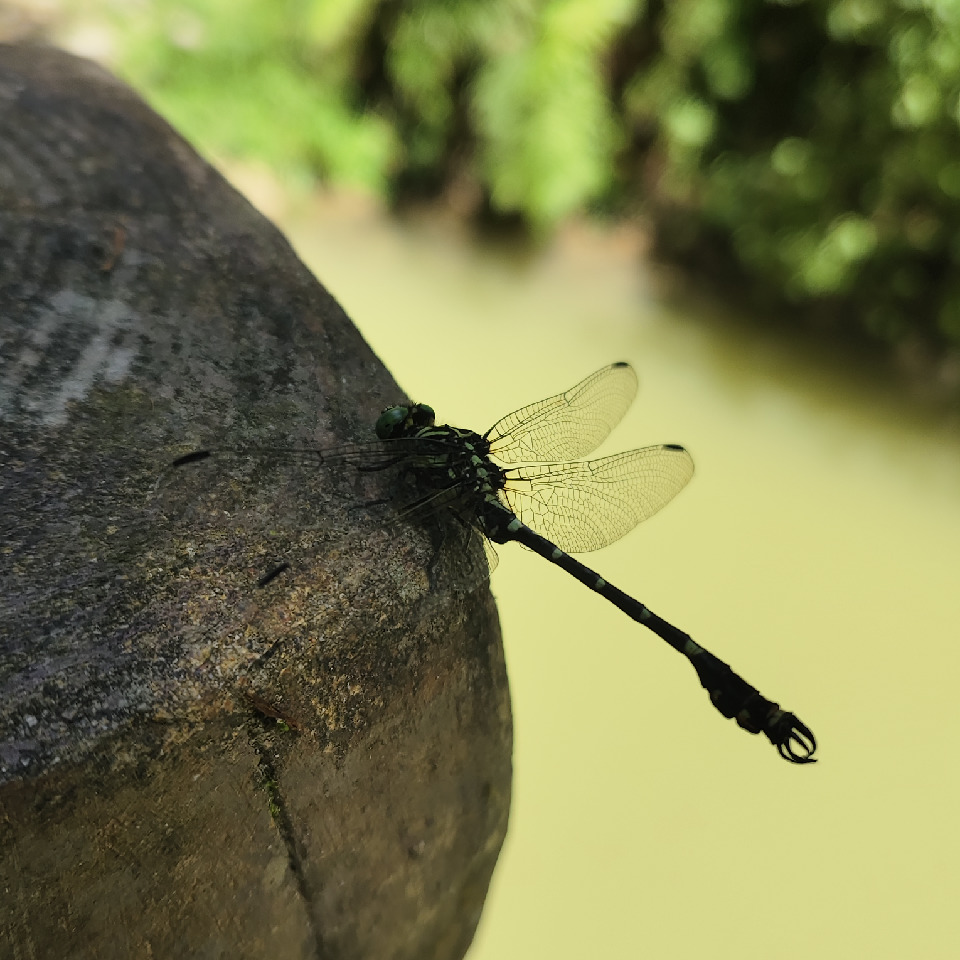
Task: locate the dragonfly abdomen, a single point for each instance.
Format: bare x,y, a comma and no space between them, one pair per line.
729,692
516,530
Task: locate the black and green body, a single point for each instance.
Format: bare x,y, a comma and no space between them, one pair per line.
456,465
520,481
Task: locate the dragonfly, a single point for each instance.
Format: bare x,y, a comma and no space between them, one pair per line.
524,481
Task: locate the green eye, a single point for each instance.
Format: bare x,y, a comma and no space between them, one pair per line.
390,421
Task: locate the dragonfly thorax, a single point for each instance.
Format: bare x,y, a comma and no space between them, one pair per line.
449,458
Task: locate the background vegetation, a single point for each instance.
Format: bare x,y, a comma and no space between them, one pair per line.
806,152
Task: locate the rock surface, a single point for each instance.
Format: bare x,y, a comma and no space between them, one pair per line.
191,765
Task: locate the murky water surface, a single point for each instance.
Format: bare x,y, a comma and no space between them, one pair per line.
817,549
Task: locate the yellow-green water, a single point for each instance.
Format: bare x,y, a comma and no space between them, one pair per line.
817,550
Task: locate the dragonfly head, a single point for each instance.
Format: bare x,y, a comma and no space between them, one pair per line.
403,421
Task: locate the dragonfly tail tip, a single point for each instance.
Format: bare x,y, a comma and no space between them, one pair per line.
794,740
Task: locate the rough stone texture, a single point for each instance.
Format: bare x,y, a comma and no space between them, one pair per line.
191,765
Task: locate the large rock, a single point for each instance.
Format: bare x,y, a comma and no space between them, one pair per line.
191,765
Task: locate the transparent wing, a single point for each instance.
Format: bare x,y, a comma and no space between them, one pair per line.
221,476
569,425
585,506
366,455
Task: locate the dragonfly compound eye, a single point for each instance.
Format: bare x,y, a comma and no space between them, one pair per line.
390,421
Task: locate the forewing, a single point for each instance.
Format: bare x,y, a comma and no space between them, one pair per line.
569,425
585,506
221,476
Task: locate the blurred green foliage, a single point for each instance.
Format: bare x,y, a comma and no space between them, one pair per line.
814,145
806,150
274,80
